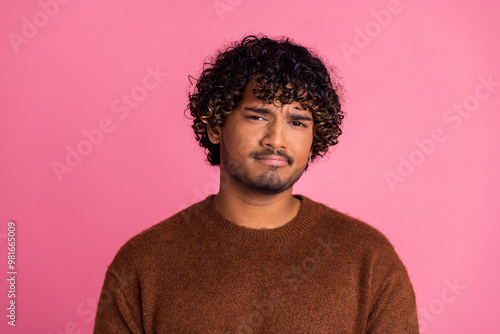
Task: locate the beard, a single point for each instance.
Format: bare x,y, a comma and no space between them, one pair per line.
268,182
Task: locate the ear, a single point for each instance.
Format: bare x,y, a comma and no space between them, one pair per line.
214,134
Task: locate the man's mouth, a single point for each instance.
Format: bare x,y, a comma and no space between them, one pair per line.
273,160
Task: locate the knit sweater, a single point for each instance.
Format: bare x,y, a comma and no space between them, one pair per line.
197,272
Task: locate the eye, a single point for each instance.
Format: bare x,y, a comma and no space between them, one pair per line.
299,124
255,117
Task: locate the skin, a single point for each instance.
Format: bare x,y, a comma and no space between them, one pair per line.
264,151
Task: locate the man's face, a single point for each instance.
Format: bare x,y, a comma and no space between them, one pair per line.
265,147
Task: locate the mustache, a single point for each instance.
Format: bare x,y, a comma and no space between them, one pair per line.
270,151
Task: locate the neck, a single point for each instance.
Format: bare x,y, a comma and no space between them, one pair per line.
253,209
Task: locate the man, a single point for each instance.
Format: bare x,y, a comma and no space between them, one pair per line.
254,258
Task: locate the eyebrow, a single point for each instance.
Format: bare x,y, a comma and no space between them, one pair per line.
296,117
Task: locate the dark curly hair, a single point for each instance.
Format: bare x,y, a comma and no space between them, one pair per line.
284,71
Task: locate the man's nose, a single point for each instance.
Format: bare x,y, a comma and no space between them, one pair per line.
275,135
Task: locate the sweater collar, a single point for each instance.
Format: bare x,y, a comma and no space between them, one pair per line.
228,231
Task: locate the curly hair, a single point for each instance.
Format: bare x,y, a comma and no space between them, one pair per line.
284,71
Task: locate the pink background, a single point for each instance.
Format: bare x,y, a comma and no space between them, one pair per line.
405,64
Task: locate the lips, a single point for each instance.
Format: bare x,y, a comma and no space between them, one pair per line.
273,160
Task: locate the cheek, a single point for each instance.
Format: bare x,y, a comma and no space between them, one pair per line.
238,143
303,145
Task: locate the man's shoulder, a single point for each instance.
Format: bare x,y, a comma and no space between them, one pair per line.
350,231
181,222
166,236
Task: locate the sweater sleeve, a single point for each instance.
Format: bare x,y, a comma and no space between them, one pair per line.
394,310
119,309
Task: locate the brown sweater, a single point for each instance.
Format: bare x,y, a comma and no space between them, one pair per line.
196,272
